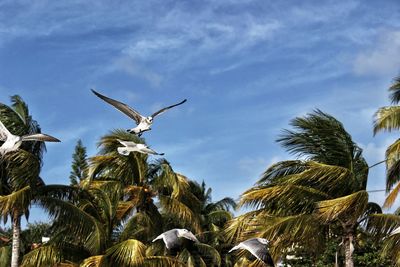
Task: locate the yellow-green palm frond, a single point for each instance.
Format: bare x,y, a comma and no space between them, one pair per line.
394,90
5,256
281,169
124,168
391,198
392,165
79,222
353,204
162,261
239,226
128,253
66,264
282,198
209,254
181,211
327,178
387,119
94,261
381,225
43,256
141,227
18,200
22,169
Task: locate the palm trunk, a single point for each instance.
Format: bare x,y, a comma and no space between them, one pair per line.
15,239
348,249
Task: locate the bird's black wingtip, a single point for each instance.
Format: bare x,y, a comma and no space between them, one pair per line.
94,91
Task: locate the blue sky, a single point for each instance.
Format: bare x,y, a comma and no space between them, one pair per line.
246,67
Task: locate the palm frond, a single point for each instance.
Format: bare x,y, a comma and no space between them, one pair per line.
79,222
387,119
392,164
320,137
94,261
18,200
381,225
354,204
42,256
127,253
180,210
394,90
162,261
5,256
281,169
283,198
209,254
391,198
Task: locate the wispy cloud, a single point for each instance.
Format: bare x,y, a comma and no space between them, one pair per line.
128,66
383,59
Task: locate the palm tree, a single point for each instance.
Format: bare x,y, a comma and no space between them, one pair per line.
324,192
116,212
20,183
96,220
20,169
388,119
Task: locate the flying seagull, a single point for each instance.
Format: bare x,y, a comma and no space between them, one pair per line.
129,146
13,142
143,123
257,247
171,237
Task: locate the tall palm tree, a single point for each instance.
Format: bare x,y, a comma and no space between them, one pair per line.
20,169
324,192
388,119
20,183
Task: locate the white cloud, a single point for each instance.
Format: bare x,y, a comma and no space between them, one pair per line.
128,66
383,59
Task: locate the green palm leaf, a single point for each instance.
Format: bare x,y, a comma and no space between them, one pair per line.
354,205
387,119
128,253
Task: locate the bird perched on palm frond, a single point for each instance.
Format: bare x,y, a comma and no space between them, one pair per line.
143,123
172,237
129,146
257,247
13,142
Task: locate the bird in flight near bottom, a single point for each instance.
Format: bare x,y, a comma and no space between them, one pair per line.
171,237
129,146
257,247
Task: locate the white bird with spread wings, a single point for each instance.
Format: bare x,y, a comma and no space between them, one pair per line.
13,142
172,237
143,123
257,247
129,146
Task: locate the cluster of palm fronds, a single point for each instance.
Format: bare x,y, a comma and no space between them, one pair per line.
116,205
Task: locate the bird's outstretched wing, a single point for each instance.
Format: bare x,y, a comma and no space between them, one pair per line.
395,231
130,112
151,151
189,235
39,137
127,143
166,108
259,250
4,133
